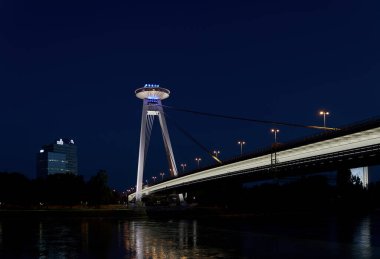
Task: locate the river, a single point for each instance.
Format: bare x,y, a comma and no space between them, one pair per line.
301,236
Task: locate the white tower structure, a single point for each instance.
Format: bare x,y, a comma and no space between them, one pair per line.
152,96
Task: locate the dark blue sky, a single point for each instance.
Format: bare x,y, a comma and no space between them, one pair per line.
70,68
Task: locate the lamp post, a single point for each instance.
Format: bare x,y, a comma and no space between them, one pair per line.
154,179
162,176
275,131
241,143
198,159
183,167
216,153
324,113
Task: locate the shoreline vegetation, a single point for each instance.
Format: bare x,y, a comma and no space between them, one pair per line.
68,195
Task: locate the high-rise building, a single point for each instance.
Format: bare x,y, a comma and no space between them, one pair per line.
59,157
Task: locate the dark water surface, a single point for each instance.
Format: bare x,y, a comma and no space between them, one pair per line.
344,236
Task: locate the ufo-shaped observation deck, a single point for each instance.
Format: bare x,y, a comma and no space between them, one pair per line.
152,92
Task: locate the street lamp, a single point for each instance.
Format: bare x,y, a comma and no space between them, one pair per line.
241,143
162,176
275,131
324,113
216,153
183,167
198,159
154,179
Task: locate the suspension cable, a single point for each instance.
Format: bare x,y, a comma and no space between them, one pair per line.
193,139
249,119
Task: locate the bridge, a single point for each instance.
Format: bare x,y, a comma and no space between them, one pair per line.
357,145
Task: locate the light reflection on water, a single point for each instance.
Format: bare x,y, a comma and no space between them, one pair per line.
171,239
362,238
329,237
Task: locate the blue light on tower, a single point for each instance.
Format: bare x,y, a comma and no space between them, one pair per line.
153,100
151,85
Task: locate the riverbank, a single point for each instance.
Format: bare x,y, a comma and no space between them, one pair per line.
57,211
166,212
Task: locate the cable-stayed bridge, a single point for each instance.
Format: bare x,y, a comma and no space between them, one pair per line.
357,145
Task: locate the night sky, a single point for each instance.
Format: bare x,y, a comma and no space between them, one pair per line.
70,69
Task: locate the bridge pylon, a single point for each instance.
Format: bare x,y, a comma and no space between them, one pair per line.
152,96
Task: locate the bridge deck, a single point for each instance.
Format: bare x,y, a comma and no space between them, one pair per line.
358,139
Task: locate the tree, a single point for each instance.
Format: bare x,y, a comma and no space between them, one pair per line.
14,189
356,182
98,191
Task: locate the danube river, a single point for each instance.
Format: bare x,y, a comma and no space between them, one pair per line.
301,236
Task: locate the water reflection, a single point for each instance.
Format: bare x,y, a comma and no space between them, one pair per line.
57,240
161,239
1,235
331,237
84,235
41,241
362,238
